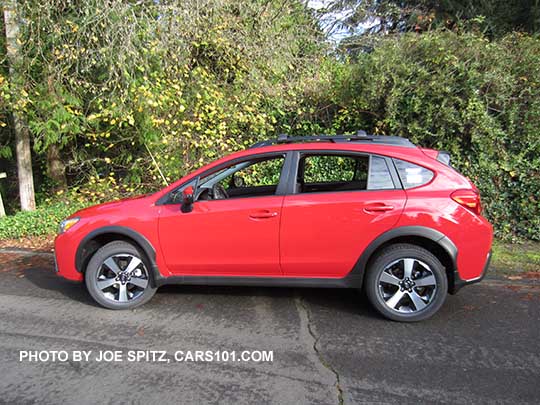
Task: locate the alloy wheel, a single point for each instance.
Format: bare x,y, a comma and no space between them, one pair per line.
407,285
122,278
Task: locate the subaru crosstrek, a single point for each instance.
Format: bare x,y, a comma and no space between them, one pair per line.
350,211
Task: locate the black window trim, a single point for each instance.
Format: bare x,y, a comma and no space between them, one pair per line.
299,154
287,180
388,166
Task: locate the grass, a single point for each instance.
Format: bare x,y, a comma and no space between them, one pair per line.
516,257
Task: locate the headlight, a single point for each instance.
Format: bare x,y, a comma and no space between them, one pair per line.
66,224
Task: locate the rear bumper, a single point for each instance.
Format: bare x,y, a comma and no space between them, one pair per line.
459,283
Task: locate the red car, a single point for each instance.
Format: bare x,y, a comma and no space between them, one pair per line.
372,212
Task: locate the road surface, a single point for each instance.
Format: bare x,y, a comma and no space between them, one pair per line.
328,346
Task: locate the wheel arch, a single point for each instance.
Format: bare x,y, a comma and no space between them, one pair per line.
101,236
430,239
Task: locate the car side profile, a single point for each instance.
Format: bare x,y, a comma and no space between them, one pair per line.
349,211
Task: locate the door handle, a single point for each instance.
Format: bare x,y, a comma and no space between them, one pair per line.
378,207
263,214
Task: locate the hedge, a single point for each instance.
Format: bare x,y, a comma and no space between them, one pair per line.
478,99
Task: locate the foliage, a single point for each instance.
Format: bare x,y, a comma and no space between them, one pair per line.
134,92
516,257
476,98
117,85
43,221
331,168
261,173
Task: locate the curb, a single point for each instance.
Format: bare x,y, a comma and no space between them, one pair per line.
25,251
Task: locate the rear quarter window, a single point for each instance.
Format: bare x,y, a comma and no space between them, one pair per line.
412,175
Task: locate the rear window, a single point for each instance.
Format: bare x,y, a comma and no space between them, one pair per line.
412,175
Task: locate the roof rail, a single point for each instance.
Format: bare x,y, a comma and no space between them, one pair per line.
360,136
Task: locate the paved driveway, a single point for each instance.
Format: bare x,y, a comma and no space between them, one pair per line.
328,345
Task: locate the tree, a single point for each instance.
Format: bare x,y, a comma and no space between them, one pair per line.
112,81
20,128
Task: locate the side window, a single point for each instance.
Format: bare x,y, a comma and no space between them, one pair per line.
329,173
320,173
251,178
412,175
257,174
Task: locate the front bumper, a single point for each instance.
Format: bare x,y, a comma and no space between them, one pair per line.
64,257
459,283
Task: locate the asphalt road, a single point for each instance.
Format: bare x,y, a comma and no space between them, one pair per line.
329,346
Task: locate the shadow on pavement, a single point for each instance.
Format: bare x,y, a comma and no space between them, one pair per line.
349,301
340,300
38,270
46,279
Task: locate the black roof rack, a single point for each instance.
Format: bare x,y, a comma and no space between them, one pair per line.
360,136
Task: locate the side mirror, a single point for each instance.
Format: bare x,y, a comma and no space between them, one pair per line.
187,199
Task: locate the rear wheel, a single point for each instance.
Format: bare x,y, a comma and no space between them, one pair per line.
406,283
118,276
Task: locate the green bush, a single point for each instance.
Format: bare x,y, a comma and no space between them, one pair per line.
478,99
123,97
43,221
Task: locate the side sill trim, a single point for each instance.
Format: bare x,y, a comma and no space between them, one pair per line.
257,281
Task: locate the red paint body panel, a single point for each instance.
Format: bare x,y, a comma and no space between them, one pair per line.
223,237
311,235
323,233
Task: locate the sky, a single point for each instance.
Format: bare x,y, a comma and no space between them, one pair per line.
326,22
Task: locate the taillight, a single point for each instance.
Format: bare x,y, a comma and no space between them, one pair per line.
469,199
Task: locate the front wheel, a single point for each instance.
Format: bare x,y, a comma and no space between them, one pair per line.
118,276
406,283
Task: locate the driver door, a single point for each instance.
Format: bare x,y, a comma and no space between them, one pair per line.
236,234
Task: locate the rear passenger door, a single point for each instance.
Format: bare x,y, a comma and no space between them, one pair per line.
340,202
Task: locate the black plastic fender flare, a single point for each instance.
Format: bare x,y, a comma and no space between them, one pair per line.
141,240
356,277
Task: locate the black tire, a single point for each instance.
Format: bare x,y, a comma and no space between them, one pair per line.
133,295
415,299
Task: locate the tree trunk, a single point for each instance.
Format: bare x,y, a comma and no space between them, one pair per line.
24,164
55,167
22,135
